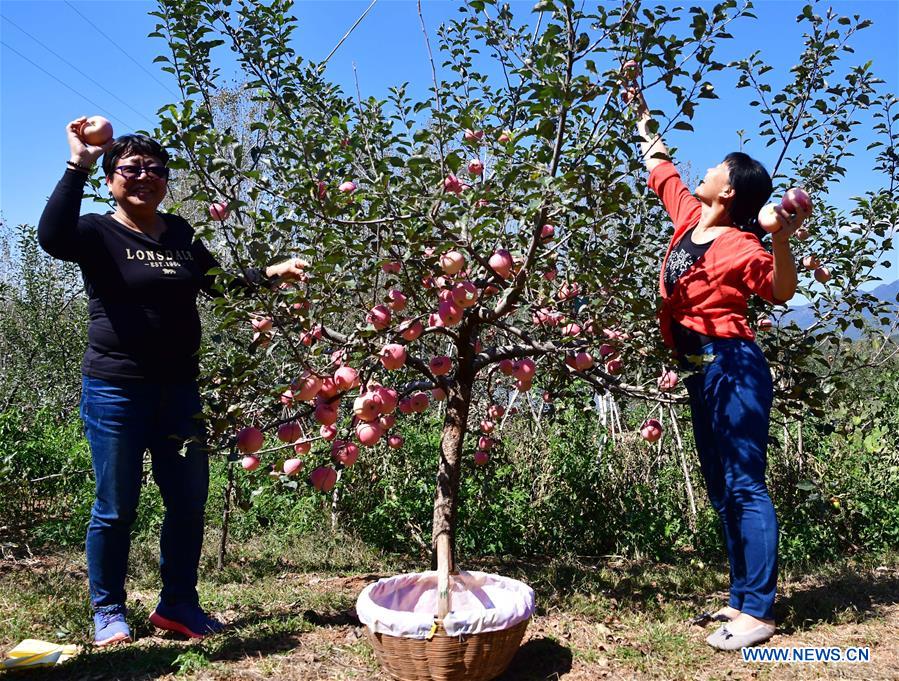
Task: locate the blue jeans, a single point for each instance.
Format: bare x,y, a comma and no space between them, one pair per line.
123,419
730,402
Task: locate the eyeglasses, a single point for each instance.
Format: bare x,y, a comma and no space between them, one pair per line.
134,172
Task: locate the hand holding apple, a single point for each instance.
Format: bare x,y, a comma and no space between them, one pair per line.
84,151
289,270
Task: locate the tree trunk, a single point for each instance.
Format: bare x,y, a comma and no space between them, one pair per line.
451,444
226,516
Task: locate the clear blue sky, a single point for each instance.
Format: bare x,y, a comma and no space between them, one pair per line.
387,49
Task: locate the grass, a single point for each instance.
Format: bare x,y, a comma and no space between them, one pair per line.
288,600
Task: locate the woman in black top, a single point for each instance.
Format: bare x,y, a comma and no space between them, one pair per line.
142,272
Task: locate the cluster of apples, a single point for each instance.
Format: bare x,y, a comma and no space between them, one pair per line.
475,167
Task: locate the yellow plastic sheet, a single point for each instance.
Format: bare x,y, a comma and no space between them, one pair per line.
35,653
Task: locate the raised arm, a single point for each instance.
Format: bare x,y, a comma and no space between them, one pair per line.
652,147
57,231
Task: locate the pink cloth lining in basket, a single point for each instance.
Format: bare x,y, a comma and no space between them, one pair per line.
405,605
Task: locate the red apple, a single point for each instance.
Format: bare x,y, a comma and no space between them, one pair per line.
651,430
450,313
811,262
219,211
290,431
328,388
481,458
303,446
262,324
668,380
389,399
366,408
475,166
765,324
822,274
328,432
606,350
325,414
465,294
379,317
395,441
292,466
487,427
411,329
286,398
369,433
485,443
583,361
797,201
96,131
451,262
568,291
452,184
396,300
440,365
547,232
506,367
347,187
614,366
501,262
504,137
250,440
393,356
249,463
323,478
495,411
307,386
524,369
419,402
438,394
473,135
392,267
345,378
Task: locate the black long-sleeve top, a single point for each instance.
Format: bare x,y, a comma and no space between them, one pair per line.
142,292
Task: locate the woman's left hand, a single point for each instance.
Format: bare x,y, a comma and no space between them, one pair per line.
289,270
789,223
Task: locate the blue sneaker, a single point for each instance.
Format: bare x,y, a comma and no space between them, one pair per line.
185,618
110,626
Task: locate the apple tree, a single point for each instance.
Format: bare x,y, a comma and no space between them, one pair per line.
492,241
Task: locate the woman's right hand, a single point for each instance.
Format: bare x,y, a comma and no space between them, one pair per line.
83,154
631,92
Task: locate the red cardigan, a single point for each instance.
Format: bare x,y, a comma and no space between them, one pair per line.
711,297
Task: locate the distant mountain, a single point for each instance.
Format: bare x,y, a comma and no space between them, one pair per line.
804,316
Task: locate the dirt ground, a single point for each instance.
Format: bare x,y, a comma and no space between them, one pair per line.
285,633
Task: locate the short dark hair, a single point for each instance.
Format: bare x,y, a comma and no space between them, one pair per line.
128,145
752,188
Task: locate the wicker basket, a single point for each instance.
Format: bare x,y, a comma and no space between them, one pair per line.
440,657
478,657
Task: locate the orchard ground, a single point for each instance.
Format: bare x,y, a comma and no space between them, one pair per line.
289,603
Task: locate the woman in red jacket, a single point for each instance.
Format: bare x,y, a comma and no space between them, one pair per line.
713,264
